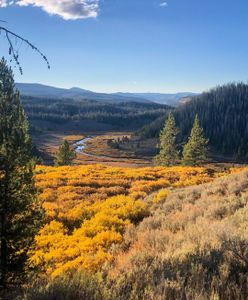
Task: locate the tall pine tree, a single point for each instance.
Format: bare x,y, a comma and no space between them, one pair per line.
195,151
65,155
168,154
20,212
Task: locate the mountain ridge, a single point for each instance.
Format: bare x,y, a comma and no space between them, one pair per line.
172,99
40,90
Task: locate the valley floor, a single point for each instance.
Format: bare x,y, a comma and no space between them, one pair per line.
133,154
97,149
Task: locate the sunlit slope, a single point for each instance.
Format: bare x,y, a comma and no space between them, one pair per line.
88,209
194,246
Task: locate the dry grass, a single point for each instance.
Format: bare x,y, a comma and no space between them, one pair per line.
194,246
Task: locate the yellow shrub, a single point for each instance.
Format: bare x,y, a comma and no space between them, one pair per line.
161,196
56,251
89,208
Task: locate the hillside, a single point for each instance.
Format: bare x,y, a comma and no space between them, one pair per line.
176,243
194,246
56,113
93,205
223,113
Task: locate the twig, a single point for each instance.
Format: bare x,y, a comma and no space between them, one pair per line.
14,53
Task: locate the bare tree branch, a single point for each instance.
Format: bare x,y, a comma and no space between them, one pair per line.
14,53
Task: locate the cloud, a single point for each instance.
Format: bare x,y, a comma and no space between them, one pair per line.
3,3
67,9
163,4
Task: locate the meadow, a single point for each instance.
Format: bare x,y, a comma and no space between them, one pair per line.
88,209
140,233
98,150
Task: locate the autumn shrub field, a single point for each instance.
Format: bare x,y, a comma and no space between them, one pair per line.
148,233
88,209
194,246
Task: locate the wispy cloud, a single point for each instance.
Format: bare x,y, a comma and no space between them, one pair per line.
67,9
163,4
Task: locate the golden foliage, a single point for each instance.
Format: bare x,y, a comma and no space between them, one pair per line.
161,195
67,192
87,247
89,207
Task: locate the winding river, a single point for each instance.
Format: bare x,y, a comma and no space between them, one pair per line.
80,146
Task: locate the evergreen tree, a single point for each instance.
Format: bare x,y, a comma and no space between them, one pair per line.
223,112
168,154
20,212
65,155
195,151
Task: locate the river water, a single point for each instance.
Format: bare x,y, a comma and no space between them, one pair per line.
81,145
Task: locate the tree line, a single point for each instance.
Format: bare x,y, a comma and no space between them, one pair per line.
223,114
126,114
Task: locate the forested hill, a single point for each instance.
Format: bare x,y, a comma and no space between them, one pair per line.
223,112
126,115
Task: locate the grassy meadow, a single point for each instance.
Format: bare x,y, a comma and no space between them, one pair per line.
140,233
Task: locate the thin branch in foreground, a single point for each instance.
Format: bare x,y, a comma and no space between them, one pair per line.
14,53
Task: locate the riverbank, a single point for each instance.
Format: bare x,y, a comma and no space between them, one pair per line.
96,149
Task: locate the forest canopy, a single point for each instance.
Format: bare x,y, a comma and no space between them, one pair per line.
127,114
223,113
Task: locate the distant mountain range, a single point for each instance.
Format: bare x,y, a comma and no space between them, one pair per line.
39,90
169,99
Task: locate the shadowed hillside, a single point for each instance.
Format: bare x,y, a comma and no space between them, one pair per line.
223,114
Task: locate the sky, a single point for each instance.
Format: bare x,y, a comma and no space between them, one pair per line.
130,45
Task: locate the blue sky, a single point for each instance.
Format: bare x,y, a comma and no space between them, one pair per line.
132,45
